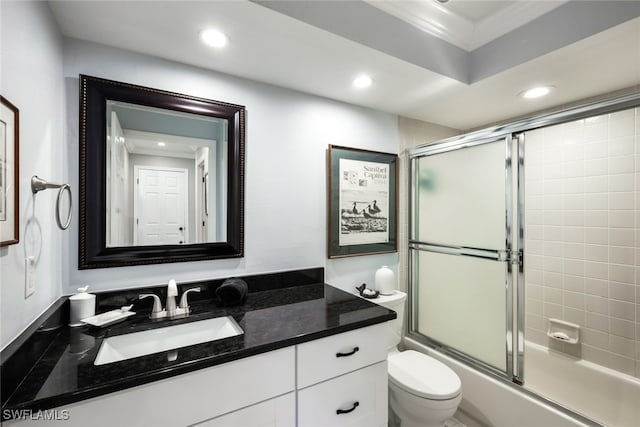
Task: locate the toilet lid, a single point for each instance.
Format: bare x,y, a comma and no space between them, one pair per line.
423,376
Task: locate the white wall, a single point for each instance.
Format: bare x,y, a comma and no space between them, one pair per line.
287,137
30,77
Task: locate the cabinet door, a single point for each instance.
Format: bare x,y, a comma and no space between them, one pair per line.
278,412
186,399
357,399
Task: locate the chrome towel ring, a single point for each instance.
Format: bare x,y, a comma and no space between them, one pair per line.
39,184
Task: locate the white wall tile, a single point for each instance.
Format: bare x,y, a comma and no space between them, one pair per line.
574,267
622,201
597,287
596,201
595,167
552,295
621,164
598,305
595,338
622,310
585,217
573,201
574,234
621,219
621,237
552,248
599,236
596,184
596,270
621,182
552,279
573,250
622,146
574,283
622,255
623,328
622,291
598,253
573,300
596,218
622,273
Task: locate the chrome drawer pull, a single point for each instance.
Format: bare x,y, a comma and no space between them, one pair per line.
351,353
346,411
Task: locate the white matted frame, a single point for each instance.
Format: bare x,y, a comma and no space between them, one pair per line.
9,172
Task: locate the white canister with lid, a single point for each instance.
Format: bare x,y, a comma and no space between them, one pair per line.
83,305
385,281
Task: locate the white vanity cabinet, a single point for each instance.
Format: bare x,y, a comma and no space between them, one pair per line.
337,381
342,380
190,398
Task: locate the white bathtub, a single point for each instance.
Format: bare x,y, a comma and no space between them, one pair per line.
486,401
600,393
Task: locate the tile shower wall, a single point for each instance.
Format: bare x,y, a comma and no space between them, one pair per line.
582,236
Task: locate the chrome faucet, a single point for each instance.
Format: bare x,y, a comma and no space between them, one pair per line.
171,311
172,293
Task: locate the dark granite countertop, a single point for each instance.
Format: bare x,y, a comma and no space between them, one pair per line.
271,319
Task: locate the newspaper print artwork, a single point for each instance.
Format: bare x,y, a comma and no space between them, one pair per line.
364,202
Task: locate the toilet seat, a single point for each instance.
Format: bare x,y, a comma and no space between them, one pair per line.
423,376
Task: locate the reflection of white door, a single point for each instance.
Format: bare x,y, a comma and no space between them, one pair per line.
118,214
160,206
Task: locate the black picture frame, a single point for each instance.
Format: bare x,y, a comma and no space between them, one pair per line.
362,202
93,251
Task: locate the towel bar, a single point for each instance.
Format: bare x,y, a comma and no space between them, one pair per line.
39,184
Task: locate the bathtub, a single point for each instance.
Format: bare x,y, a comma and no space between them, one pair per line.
605,395
598,393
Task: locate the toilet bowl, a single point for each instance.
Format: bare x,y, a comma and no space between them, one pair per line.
423,392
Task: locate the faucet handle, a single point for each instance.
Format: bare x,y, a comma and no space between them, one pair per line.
156,312
184,304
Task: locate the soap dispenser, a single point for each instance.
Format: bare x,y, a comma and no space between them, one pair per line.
385,281
82,305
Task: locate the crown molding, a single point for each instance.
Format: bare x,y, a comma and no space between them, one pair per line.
435,19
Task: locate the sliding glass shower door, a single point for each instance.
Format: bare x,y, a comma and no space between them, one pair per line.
461,250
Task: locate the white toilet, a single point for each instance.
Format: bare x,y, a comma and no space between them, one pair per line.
423,392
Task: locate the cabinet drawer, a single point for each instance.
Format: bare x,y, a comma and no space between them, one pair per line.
362,393
329,357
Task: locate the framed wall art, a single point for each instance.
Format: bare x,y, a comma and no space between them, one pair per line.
9,176
362,202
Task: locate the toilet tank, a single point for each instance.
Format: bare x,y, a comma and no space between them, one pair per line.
395,302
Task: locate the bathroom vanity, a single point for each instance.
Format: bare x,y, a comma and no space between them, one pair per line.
309,355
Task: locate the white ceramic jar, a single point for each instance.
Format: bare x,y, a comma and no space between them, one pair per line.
385,281
83,305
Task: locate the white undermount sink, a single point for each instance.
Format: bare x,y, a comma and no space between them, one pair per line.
127,346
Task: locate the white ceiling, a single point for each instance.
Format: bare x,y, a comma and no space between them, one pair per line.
273,47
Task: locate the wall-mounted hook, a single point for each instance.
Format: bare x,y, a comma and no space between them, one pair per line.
39,184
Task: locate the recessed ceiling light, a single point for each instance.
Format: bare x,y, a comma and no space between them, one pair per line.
161,144
362,81
213,38
537,92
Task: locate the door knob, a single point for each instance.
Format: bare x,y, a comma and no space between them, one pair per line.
180,228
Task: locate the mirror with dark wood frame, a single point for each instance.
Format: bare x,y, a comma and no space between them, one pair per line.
161,176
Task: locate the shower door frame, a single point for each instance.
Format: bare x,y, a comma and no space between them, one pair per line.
515,130
512,255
